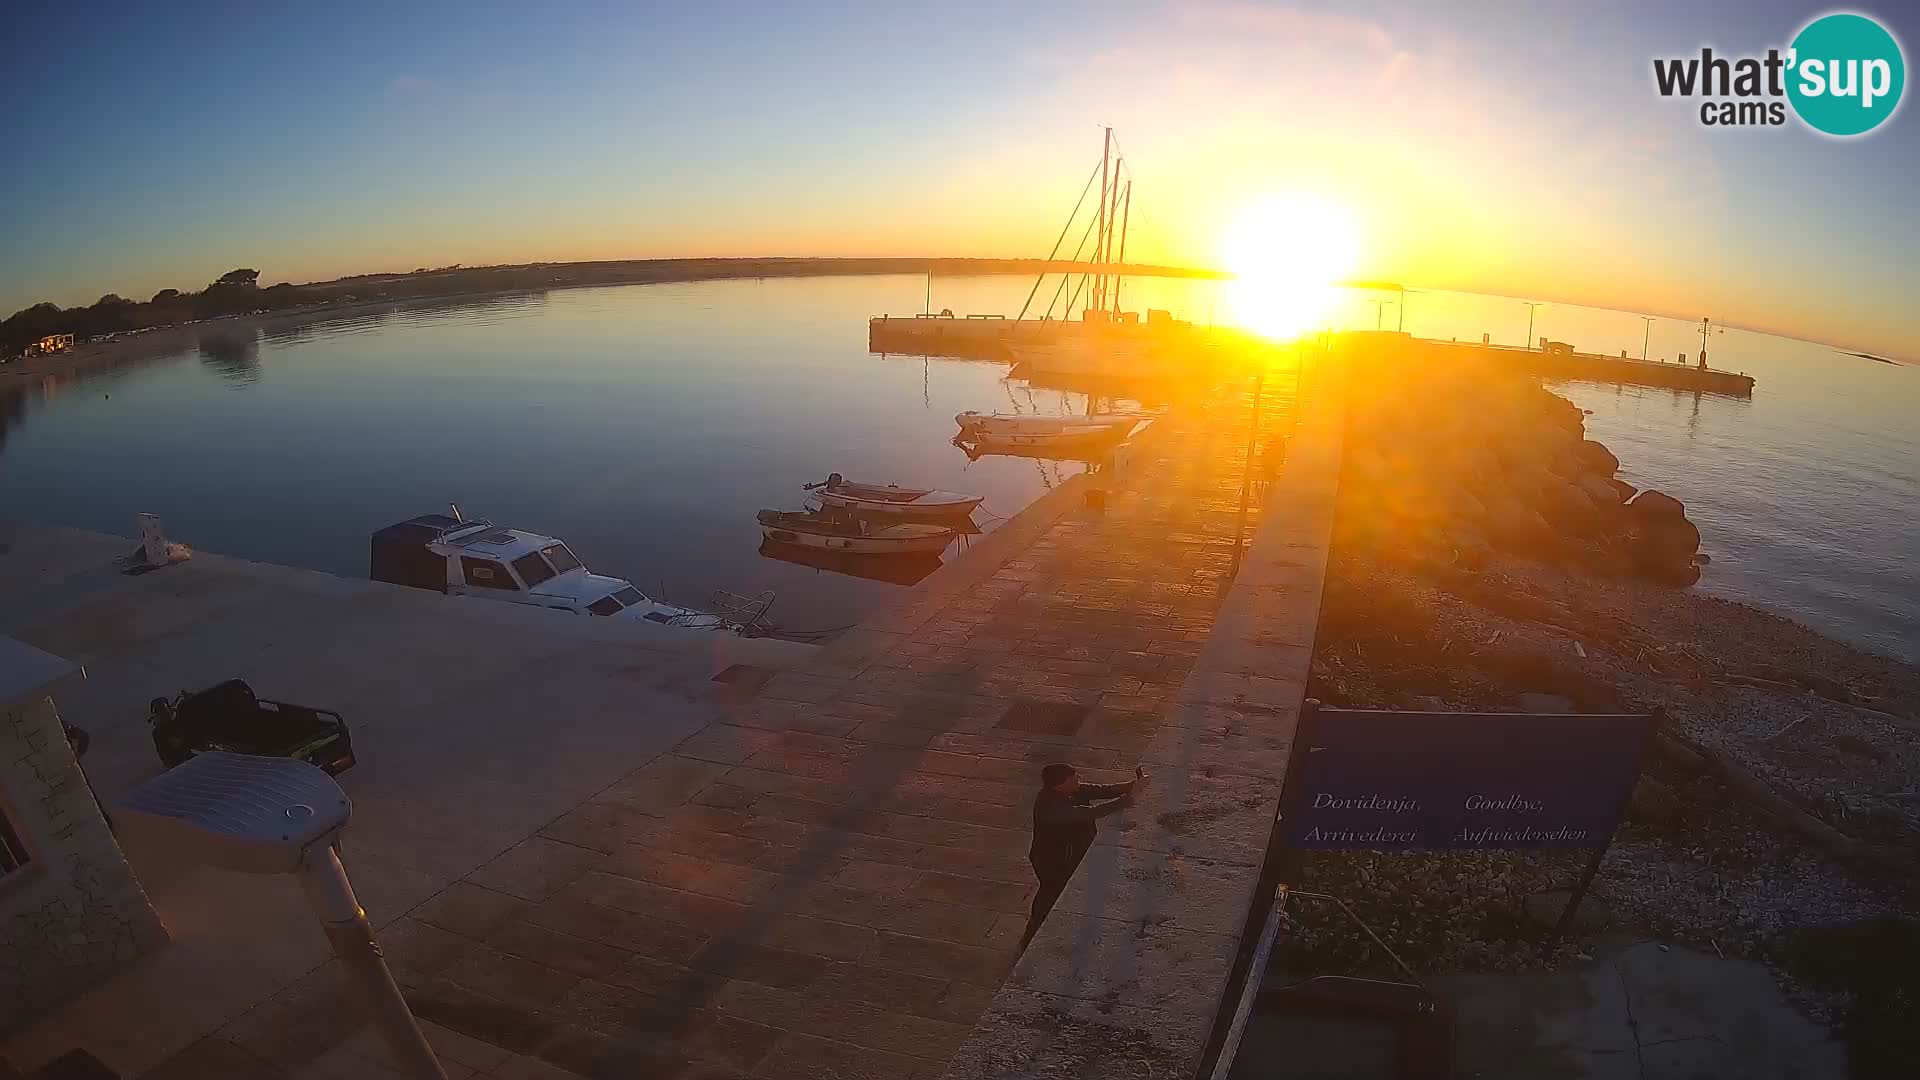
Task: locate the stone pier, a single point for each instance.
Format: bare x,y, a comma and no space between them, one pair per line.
823,872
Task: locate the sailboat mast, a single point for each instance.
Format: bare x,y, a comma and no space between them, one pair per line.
1126,212
1100,280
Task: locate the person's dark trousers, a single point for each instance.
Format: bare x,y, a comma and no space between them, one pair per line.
1051,886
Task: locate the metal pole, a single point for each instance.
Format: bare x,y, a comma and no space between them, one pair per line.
1100,281
1061,239
1106,250
1126,212
1250,989
331,896
1401,328
1646,337
1246,471
1574,899
1531,308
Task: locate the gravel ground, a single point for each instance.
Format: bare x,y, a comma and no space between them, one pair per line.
1694,861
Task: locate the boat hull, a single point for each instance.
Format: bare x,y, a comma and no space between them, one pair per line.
985,424
859,545
957,507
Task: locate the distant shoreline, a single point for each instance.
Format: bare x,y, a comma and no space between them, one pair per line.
401,292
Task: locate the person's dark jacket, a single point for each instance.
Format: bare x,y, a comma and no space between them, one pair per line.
1063,825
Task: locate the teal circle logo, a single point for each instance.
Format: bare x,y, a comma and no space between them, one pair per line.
1846,74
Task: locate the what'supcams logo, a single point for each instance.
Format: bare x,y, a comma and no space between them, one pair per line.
1842,74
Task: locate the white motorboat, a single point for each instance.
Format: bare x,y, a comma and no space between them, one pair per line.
844,531
891,500
477,558
1012,424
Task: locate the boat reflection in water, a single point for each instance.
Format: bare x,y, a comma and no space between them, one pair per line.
893,569
1092,449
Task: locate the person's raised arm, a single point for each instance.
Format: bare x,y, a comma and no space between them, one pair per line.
1080,812
1097,792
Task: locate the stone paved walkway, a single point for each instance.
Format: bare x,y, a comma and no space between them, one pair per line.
833,883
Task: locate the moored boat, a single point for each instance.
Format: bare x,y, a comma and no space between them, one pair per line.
910,569
844,531
1010,424
477,558
891,500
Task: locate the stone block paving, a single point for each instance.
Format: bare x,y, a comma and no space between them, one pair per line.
832,883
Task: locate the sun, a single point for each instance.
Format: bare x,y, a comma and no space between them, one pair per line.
1287,252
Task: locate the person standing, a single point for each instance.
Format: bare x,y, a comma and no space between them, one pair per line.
1064,823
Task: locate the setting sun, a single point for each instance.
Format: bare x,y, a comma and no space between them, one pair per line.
1287,252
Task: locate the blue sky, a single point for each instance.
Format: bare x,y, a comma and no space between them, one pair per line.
1516,148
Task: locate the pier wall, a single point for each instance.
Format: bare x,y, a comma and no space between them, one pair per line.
1590,367
988,339
1130,974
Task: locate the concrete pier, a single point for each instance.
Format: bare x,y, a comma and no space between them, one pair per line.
990,338
587,859
475,724
1591,367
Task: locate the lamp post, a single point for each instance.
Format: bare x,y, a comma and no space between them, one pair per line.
1379,311
1531,308
1646,337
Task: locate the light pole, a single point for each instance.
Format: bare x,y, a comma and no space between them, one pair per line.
1379,311
1531,308
1646,337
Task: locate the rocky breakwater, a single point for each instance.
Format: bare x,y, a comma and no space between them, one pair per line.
1455,461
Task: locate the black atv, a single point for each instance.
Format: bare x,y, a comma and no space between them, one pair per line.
229,717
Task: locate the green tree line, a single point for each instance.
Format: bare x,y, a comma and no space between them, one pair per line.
235,292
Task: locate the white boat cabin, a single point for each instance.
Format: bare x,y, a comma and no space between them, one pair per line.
481,559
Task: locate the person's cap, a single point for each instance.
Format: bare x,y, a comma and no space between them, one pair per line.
1053,774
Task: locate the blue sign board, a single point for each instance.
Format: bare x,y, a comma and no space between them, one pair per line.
1405,781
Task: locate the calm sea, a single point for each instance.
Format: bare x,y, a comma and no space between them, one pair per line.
645,425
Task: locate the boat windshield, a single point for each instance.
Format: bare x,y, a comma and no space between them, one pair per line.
561,558
630,596
533,569
606,605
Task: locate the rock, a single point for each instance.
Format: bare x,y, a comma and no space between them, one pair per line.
1466,506
1651,505
1702,559
1601,490
1596,458
1654,803
1516,527
1666,541
1568,509
1563,463
1545,908
1662,548
1625,489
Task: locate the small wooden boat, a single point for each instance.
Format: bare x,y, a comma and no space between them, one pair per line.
1007,425
843,531
910,569
890,500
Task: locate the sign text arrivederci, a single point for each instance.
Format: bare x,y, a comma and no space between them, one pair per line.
1390,781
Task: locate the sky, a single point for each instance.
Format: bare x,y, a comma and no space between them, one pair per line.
1518,149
